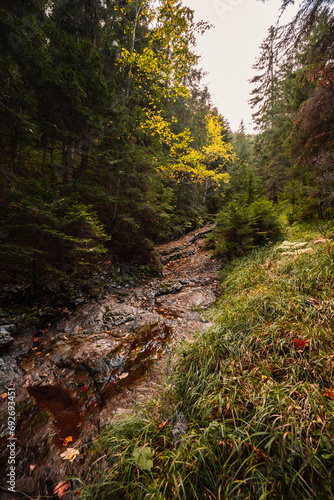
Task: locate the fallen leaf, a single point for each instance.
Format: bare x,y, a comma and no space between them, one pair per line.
160,426
67,440
61,488
37,339
31,468
124,375
300,343
4,396
84,388
328,393
70,454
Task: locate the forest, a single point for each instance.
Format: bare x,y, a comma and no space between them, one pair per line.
110,143
137,228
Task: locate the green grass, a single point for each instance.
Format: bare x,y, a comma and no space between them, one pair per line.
259,411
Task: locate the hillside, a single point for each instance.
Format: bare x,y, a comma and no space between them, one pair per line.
249,411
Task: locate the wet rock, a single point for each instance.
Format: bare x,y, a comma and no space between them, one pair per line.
124,320
168,288
7,328
5,340
13,289
78,301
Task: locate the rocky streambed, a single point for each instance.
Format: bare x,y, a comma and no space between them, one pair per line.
94,363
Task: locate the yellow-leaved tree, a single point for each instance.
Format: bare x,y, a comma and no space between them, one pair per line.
181,160
157,71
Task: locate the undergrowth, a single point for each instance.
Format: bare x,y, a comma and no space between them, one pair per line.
256,391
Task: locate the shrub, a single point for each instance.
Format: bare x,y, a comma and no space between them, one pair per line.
241,227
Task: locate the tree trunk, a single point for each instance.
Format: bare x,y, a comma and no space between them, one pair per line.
63,153
85,146
116,200
19,161
45,150
68,166
12,160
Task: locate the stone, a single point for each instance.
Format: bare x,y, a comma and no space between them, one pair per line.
5,340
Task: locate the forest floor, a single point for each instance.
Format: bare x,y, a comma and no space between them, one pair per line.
95,363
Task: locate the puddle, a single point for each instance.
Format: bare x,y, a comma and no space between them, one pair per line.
64,408
146,345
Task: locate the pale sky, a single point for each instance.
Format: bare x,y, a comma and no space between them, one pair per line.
229,50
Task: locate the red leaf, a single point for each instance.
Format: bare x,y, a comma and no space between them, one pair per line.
300,343
328,393
61,488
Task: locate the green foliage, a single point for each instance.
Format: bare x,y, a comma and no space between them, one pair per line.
143,458
79,80
47,235
241,227
294,111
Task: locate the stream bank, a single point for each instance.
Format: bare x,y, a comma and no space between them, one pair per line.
93,364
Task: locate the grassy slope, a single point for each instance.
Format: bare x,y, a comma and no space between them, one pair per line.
259,408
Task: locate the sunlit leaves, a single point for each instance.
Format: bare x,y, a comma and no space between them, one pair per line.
184,159
159,69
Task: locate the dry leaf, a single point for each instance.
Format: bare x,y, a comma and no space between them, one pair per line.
67,440
31,468
300,343
123,375
4,396
329,393
70,454
61,488
160,426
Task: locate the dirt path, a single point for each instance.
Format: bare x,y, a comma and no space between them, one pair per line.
91,366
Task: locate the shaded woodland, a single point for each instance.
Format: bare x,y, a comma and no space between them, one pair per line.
110,143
